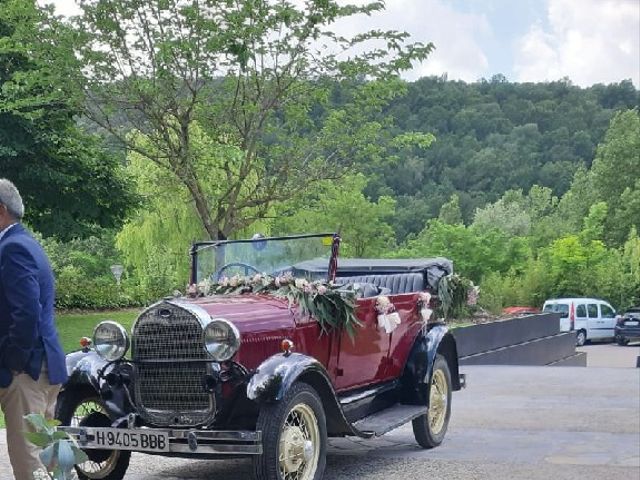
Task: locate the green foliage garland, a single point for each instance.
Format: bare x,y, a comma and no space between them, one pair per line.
453,293
332,307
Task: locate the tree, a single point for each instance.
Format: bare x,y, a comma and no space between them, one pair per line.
70,185
342,207
574,205
450,212
593,223
507,214
249,73
615,173
155,241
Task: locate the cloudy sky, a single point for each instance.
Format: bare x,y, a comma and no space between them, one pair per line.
589,41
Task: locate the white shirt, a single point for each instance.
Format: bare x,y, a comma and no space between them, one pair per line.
3,232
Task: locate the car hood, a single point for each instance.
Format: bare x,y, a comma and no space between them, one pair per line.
263,321
251,314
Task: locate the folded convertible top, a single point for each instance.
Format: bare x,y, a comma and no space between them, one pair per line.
432,268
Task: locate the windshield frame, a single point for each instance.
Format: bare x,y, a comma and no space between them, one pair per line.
197,247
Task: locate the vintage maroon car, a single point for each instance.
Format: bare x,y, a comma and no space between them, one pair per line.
239,367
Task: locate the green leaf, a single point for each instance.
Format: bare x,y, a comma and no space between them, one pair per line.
60,435
38,421
39,439
53,422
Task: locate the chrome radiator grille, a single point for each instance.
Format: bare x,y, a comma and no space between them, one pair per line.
168,353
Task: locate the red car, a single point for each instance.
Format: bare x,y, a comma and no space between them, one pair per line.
521,310
277,346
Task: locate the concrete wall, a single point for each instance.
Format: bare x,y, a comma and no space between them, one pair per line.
527,340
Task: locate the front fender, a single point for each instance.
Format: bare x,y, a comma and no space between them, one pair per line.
276,374
83,369
416,378
87,371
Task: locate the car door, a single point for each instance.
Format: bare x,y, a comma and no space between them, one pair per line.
363,360
582,320
608,317
596,327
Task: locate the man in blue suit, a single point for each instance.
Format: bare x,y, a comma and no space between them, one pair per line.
32,363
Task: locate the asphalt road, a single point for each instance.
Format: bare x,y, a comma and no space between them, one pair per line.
606,354
510,423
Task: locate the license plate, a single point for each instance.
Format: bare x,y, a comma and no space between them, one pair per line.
632,323
125,439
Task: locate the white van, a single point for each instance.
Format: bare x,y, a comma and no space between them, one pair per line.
590,318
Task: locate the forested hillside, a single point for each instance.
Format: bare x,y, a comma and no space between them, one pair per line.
492,136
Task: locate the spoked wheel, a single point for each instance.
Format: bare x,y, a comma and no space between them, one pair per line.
294,437
430,429
581,338
76,409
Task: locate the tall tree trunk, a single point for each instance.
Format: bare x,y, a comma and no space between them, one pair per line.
202,207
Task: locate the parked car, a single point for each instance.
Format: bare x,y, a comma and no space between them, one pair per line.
590,318
628,326
519,311
267,366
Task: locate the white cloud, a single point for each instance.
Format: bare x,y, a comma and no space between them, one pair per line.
589,41
455,35
63,7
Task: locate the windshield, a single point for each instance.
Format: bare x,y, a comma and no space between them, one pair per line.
273,256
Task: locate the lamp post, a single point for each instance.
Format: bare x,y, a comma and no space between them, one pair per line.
117,271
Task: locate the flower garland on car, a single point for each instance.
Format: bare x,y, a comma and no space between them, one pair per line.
327,303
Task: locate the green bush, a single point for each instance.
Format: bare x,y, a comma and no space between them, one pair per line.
84,280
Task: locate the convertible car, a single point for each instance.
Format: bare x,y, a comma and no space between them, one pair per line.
277,346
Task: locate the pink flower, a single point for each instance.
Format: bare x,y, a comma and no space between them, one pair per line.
425,298
384,305
322,289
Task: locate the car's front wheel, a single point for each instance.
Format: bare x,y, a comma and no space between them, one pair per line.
581,338
85,409
294,437
430,429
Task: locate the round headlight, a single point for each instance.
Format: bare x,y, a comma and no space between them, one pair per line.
110,340
221,339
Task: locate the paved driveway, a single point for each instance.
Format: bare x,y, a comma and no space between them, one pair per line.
510,423
607,354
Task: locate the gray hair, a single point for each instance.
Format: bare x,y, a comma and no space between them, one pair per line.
10,198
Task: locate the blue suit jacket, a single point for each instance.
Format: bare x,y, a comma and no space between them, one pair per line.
27,292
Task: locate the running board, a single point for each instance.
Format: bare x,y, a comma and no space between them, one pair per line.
389,419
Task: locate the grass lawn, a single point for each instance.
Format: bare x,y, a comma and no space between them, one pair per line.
73,326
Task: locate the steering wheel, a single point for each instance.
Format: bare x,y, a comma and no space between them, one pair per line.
246,266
